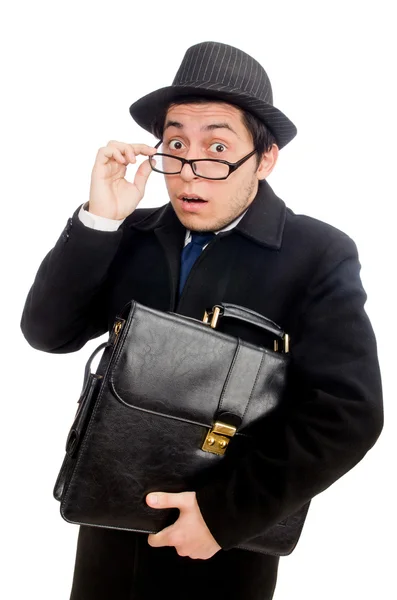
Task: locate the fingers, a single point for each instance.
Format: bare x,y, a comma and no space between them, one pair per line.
170,536
142,175
123,153
165,537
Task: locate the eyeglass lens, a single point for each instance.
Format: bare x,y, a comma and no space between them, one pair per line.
204,168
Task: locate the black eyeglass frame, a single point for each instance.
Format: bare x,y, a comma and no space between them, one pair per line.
191,161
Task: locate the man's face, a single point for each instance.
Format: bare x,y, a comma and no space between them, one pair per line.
213,130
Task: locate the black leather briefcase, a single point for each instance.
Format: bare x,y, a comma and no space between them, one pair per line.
172,399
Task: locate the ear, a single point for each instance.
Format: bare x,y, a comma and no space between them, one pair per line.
268,162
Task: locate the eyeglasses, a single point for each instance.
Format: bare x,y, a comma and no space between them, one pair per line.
208,168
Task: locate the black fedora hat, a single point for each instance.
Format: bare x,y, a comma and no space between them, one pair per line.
217,70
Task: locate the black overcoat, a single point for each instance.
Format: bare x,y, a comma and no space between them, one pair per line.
298,271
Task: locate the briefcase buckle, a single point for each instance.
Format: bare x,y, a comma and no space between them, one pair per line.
218,438
214,314
285,343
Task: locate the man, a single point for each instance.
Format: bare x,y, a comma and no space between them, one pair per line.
224,236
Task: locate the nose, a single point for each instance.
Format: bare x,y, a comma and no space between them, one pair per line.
187,173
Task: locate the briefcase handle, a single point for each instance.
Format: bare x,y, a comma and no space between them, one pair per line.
233,311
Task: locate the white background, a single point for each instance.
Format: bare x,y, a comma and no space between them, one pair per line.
69,74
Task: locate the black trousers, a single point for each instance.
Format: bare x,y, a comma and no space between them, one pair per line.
120,565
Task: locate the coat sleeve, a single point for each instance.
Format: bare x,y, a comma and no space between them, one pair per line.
67,304
333,416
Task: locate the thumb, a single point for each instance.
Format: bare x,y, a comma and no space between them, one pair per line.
167,500
142,175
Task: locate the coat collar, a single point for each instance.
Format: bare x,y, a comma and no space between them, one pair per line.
263,222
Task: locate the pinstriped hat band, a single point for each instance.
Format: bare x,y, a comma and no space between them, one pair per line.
212,69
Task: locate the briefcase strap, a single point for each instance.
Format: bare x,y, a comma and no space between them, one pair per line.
240,382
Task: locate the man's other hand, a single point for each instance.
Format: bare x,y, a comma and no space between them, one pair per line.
189,534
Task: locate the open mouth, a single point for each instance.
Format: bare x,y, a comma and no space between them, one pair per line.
191,199
190,203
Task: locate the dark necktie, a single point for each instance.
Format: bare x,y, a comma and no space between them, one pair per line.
190,253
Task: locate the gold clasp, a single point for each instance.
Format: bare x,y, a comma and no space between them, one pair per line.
214,314
285,341
117,327
218,438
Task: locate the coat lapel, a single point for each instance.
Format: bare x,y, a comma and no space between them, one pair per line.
170,233
172,240
265,219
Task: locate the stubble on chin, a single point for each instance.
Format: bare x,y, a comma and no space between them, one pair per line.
238,205
240,202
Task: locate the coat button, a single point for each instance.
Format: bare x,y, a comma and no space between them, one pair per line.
65,233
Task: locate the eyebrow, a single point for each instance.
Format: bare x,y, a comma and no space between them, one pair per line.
211,127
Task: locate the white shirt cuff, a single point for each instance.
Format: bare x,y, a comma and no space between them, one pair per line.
97,222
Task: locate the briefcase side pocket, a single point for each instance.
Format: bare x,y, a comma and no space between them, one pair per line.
89,394
76,433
